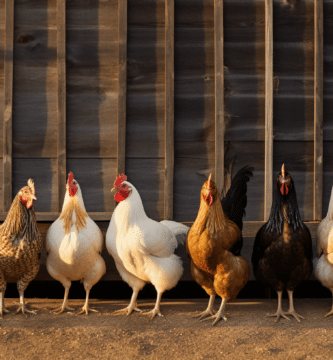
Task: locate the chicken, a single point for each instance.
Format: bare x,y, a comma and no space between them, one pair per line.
143,249
20,246
74,244
324,266
215,240
282,251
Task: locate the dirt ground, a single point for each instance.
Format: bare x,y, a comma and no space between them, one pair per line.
247,334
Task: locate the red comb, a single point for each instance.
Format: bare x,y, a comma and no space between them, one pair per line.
119,180
70,177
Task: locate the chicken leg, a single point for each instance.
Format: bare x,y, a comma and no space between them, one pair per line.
156,310
209,310
220,314
2,304
279,311
22,306
132,306
64,306
85,309
291,310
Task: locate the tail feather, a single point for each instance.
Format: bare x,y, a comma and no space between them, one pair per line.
235,201
178,229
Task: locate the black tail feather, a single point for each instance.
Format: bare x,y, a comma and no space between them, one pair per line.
234,203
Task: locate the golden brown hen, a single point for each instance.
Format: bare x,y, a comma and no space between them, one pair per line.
20,245
214,243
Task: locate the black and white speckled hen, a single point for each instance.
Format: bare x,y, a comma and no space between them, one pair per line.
282,252
20,245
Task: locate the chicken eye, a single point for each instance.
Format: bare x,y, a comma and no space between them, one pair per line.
124,186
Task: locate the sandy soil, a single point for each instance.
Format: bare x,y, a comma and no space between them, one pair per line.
247,334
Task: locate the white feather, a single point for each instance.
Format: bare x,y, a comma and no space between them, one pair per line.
143,249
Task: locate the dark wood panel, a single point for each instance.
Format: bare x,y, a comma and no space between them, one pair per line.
294,59
327,175
35,12
90,131
318,110
35,79
44,174
145,121
92,78
147,175
84,13
122,87
96,178
268,107
8,104
328,71
169,108
219,94
61,103
299,163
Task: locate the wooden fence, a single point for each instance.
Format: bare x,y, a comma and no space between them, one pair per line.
166,91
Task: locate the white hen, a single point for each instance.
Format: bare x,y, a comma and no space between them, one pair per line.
324,267
74,244
143,249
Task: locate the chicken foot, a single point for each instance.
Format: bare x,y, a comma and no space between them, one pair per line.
64,306
131,307
22,308
279,311
209,310
220,314
85,309
291,310
156,310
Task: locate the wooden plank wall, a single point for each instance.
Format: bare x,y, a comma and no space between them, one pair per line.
166,91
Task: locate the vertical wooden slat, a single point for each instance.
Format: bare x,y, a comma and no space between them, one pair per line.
122,84
268,107
219,94
61,59
8,102
169,109
318,109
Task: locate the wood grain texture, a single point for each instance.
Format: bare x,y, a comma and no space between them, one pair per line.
169,109
318,109
219,94
268,107
8,104
61,60
92,78
122,86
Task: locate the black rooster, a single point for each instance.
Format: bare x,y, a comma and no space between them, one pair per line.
282,251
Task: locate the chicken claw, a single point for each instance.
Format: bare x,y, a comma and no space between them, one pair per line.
217,318
295,315
129,309
62,309
329,313
85,309
3,310
24,310
278,314
204,314
153,313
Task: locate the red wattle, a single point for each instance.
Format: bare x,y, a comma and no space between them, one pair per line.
121,195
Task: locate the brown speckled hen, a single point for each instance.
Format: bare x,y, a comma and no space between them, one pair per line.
215,240
20,246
